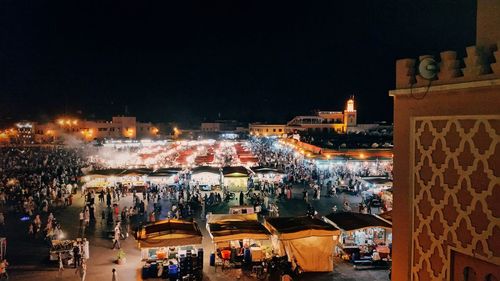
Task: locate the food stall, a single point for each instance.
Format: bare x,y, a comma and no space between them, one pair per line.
165,176
206,175
307,241
63,247
375,184
175,241
235,178
98,180
135,179
362,236
243,237
267,174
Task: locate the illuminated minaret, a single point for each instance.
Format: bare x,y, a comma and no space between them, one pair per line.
350,118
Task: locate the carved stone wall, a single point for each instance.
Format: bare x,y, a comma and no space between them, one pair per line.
456,192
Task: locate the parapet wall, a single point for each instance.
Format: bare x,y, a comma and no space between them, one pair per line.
480,63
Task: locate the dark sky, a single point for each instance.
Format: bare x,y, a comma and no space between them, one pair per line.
188,61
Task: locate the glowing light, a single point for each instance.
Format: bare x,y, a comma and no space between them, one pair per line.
350,105
60,122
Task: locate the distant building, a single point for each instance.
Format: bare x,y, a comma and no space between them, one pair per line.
120,127
267,129
323,122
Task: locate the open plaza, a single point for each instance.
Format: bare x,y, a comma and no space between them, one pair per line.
258,208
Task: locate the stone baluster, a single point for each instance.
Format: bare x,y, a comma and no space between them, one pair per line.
495,67
449,67
405,73
476,63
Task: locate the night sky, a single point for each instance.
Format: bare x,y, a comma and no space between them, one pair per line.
189,61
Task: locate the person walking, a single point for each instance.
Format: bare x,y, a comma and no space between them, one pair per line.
61,265
77,255
114,276
82,270
116,238
241,198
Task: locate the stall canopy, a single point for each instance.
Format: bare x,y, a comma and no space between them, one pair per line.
136,172
266,170
205,169
168,233
299,227
164,172
386,216
377,181
235,171
105,172
349,221
306,240
235,227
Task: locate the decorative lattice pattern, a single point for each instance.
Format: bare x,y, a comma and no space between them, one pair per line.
456,192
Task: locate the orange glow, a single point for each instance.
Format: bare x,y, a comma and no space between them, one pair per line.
129,133
350,105
155,130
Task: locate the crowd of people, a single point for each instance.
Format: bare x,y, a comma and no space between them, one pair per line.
34,180
315,177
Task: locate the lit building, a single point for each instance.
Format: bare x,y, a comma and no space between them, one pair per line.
259,129
446,213
323,122
25,132
120,127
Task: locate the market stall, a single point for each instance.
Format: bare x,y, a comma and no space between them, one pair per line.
235,178
171,242
206,175
65,248
98,180
164,176
267,175
365,238
307,241
238,239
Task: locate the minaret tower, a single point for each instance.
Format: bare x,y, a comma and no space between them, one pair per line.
350,115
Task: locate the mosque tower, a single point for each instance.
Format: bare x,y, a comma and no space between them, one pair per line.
350,115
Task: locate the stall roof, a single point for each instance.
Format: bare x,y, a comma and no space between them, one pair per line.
168,233
137,171
235,171
236,227
386,216
203,169
349,221
265,170
378,180
106,172
164,172
300,227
